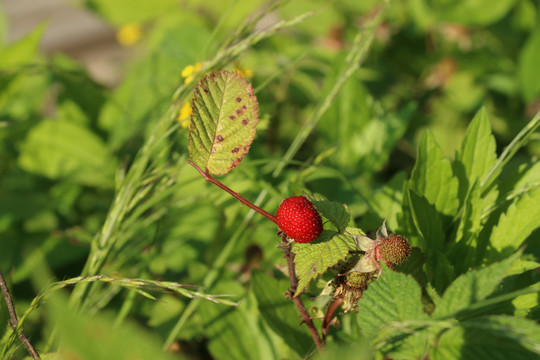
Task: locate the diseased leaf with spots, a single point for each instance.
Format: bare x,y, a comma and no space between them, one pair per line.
314,258
225,114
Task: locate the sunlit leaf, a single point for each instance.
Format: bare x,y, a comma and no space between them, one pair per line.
432,176
314,258
223,123
472,287
490,337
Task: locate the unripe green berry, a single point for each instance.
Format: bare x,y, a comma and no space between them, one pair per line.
358,280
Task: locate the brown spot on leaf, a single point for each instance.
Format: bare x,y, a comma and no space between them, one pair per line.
235,150
239,111
232,117
245,121
219,138
205,90
238,99
244,107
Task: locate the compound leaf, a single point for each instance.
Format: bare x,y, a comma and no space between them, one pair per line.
225,114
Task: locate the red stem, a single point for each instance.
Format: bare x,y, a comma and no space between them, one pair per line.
330,309
239,197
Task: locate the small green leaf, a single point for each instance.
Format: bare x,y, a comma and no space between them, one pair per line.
515,226
313,259
528,67
23,51
490,337
472,287
66,149
477,153
432,176
279,312
223,123
338,214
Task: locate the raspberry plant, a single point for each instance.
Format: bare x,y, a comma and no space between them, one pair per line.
359,265
409,128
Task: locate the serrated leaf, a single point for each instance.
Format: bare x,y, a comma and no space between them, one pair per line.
427,221
477,153
279,312
225,114
490,337
432,176
393,297
472,287
464,249
386,203
313,259
338,214
515,226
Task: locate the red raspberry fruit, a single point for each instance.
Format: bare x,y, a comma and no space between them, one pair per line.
298,219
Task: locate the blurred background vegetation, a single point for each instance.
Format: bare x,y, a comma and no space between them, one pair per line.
67,138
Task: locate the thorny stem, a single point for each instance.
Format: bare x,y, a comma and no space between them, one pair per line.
330,310
236,195
306,319
14,321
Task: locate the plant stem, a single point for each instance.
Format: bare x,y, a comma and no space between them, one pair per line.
14,321
291,294
236,195
330,310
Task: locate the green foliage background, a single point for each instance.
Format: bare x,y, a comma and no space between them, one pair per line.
94,180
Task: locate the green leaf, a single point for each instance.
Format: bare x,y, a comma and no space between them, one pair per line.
393,297
477,153
313,259
515,226
234,333
477,12
63,149
491,337
94,336
23,51
387,310
120,12
432,176
472,287
374,143
279,312
528,67
427,222
338,214
464,249
386,202
223,123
